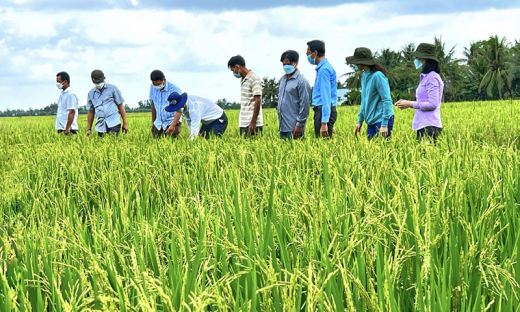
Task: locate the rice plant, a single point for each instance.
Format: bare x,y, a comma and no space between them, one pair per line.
136,223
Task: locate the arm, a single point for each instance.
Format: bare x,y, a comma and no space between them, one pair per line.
303,104
432,89
258,104
194,123
154,113
70,119
323,81
90,119
122,111
383,88
257,92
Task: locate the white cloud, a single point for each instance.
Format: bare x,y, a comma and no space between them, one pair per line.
193,48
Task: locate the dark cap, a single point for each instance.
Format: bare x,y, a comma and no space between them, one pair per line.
361,56
97,76
176,101
426,51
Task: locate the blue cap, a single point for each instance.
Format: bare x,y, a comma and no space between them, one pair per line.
176,102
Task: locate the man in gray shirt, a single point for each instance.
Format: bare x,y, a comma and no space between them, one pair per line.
293,98
106,102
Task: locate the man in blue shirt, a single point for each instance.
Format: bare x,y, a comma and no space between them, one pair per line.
106,102
324,92
162,120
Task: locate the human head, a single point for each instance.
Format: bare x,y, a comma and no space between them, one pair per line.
289,60
158,78
237,64
64,79
316,49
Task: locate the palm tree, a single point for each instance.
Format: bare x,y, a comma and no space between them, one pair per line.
269,92
500,70
451,72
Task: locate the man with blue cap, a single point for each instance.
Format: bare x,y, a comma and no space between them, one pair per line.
197,110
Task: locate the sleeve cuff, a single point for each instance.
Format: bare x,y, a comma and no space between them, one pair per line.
360,121
415,105
300,124
384,123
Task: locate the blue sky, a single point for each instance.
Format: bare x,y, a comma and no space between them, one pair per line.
191,41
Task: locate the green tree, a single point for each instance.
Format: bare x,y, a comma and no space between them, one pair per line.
500,69
269,92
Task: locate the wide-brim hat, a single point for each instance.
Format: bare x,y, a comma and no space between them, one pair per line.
97,76
176,101
362,56
426,51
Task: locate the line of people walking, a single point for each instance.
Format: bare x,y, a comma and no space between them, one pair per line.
170,106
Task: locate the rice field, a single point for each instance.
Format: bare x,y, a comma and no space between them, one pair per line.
141,224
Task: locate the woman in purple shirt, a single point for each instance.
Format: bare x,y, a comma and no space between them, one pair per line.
427,118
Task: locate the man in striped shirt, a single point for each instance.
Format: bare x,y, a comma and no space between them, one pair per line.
250,120
162,120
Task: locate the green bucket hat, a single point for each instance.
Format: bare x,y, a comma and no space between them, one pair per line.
426,51
361,56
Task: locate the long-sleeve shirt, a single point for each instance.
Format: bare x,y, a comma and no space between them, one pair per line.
324,92
293,102
376,101
200,110
104,102
163,119
67,101
428,104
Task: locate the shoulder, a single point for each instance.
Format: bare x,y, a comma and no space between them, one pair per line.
170,86
379,76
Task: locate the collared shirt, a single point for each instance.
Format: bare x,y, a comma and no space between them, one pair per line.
200,110
104,102
376,101
325,90
293,102
67,101
428,104
160,100
251,85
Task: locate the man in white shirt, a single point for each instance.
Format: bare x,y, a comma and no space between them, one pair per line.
67,116
197,110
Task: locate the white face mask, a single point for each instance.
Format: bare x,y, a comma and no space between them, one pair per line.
59,85
100,85
159,87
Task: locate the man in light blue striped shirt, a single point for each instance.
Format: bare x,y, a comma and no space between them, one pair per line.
67,115
162,121
106,102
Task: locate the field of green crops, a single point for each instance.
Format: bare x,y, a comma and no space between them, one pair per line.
141,224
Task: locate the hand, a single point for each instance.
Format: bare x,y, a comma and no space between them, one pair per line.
357,129
297,132
324,130
89,132
125,128
252,127
170,129
404,104
67,131
384,131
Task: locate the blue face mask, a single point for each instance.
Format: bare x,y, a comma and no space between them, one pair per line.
289,69
356,68
237,75
418,64
312,61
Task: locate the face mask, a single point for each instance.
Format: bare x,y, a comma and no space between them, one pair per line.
311,60
356,68
159,87
418,64
59,85
289,69
237,75
100,85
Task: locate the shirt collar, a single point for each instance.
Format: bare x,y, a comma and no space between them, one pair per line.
248,75
295,74
323,62
65,91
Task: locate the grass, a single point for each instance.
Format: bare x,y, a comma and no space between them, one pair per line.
142,224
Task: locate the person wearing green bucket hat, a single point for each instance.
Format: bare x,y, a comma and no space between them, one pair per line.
427,118
376,102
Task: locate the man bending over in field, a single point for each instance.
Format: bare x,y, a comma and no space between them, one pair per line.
67,116
106,101
197,110
162,120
